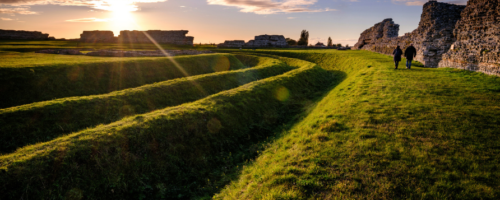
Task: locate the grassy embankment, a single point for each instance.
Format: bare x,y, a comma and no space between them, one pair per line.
176,152
384,134
24,83
44,121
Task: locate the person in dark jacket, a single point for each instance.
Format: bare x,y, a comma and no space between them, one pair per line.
397,56
410,53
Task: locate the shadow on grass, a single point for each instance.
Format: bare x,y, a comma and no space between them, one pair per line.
249,150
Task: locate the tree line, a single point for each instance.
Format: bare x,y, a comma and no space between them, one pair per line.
304,41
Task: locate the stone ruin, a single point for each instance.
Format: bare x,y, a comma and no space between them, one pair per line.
161,37
232,44
448,35
98,37
23,35
259,42
477,39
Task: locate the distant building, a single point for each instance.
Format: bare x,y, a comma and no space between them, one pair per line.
259,42
232,44
98,37
319,44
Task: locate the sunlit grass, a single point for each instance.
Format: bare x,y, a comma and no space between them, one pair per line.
377,133
170,153
385,134
63,116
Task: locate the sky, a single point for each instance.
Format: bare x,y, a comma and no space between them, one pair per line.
213,21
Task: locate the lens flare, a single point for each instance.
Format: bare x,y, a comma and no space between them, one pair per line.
222,64
282,93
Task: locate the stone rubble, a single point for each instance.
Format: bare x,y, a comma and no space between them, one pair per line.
60,51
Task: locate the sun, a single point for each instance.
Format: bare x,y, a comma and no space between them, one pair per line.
121,14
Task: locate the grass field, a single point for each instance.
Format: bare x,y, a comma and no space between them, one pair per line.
281,124
384,134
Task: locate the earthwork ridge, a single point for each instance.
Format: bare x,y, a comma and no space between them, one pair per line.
144,129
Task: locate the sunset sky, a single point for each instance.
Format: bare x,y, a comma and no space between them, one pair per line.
213,20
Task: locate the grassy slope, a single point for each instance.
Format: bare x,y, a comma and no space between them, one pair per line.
20,127
164,154
384,134
23,85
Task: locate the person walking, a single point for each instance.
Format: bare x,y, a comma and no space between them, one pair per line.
410,53
397,56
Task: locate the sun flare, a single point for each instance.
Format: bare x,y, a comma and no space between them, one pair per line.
121,11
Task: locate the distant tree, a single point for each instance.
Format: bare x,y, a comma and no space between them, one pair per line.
347,45
330,42
339,45
291,42
304,38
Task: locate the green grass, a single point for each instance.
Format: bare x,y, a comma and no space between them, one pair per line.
24,85
384,134
343,125
163,154
30,59
31,46
20,127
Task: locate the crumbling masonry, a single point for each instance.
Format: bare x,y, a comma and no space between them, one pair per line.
448,35
259,42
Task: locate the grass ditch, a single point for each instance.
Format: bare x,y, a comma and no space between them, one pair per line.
171,153
44,121
34,83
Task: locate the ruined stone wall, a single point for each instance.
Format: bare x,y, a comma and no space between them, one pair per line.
259,42
477,45
22,35
267,41
384,30
232,44
98,36
162,37
432,38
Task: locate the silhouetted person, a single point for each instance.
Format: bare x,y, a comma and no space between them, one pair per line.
397,56
410,53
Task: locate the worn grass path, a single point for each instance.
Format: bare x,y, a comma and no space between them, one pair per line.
384,134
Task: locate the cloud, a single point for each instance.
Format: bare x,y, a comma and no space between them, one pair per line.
87,20
23,6
20,10
268,6
422,2
6,19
